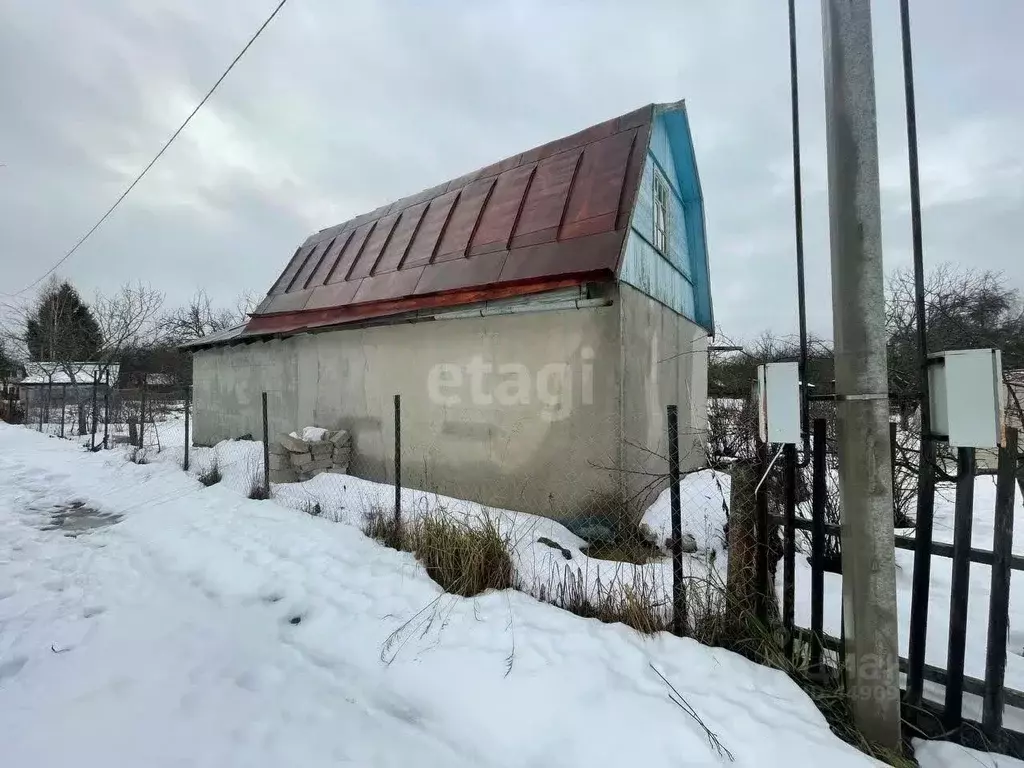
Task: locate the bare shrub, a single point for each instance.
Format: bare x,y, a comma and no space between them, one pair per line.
258,487
211,475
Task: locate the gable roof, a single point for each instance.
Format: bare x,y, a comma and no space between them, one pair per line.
61,373
553,216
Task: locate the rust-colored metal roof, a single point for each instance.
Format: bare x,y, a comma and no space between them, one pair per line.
554,215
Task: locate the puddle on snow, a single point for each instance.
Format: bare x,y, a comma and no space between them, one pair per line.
75,519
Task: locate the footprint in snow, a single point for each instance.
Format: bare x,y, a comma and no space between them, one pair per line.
11,667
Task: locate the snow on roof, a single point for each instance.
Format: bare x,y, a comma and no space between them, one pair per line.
61,373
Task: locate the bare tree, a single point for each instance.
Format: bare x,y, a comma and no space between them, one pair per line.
200,318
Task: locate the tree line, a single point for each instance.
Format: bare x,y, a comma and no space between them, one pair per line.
964,309
131,327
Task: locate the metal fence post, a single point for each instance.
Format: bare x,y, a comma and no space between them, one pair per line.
999,596
789,548
142,415
398,463
959,587
44,410
188,392
92,432
818,491
106,409
916,648
266,448
678,587
63,406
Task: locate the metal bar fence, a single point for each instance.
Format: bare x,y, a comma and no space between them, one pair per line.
789,547
961,576
818,491
999,595
992,689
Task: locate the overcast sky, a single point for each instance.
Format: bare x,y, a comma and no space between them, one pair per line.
342,106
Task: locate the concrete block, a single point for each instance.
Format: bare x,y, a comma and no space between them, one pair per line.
321,449
338,470
341,437
300,460
293,444
325,463
276,449
280,462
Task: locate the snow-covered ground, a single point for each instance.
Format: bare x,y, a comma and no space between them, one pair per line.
193,626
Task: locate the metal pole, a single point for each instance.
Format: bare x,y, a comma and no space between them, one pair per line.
142,415
398,463
789,548
798,220
106,409
862,399
959,587
92,433
818,490
63,406
44,412
926,481
266,448
678,588
188,393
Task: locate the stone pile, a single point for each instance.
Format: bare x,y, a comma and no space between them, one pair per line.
301,455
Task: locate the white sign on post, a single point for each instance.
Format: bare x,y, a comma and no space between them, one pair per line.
778,402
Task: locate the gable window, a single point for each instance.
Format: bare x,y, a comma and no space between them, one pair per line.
660,213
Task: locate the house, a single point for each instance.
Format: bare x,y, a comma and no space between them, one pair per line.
537,316
53,382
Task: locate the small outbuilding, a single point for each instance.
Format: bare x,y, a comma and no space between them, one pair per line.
72,382
537,316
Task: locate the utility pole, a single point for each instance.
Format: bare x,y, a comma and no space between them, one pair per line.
862,395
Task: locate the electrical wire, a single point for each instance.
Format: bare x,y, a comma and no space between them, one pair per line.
152,162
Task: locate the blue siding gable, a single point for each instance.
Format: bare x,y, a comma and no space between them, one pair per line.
679,277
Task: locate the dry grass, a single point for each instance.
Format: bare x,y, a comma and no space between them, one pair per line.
258,487
211,475
632,597
464,556
384,527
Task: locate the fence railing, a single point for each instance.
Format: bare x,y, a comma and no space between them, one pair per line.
929,716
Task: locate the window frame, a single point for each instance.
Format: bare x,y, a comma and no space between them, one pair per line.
660,213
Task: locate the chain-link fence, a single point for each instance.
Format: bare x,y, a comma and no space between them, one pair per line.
100,416
587,514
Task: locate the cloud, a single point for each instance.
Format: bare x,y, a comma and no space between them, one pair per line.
341,107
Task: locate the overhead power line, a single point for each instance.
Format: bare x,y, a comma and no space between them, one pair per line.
152,162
